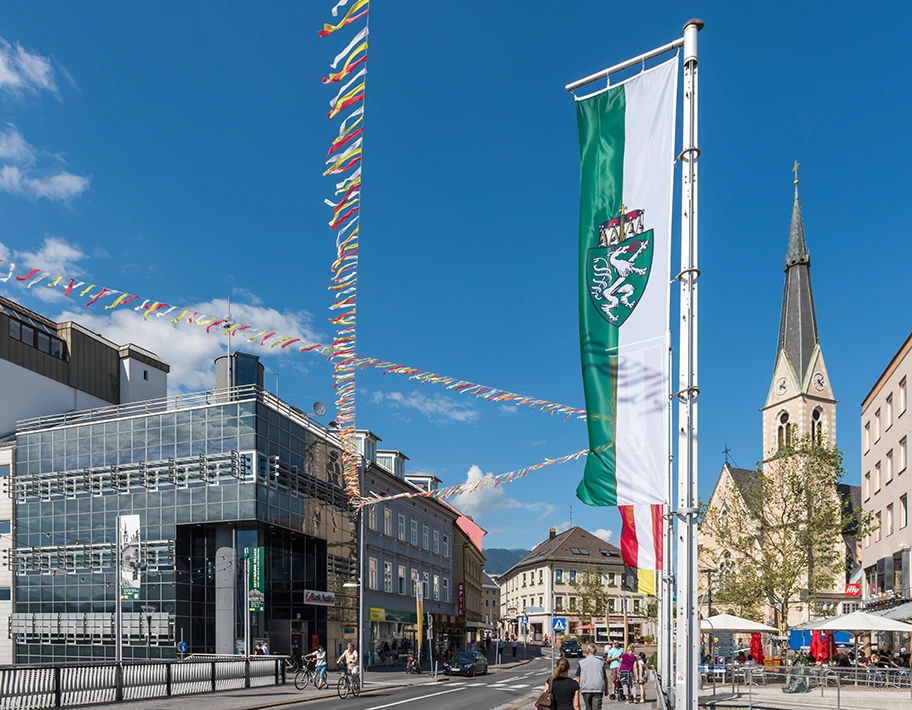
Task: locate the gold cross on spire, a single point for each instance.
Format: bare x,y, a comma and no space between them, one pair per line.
795,170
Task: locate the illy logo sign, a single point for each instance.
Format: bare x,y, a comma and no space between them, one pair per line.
853,590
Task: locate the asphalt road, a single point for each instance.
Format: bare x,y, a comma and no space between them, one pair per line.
502,689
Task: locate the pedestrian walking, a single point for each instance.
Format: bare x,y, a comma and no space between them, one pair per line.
592,674
627,673
564,691
265,648
258,649
514,645
642,672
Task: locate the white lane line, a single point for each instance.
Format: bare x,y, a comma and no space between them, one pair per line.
412,700
475,685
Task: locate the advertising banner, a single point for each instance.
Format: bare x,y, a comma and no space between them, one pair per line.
128,548
255,569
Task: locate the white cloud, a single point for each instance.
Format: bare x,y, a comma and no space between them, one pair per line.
55,254
490,499
22,175
438,408
14,148
603,533
563,527
506,409
4,252
24,71
189,350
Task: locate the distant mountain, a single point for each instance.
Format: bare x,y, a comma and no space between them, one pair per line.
500,559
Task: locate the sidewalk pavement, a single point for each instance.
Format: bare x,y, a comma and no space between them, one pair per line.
270,696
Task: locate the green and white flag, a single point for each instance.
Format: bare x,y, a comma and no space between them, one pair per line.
626,135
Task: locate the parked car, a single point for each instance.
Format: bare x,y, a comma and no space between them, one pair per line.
571,648
470,663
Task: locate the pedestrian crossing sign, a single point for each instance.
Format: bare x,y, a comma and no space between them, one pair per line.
560,623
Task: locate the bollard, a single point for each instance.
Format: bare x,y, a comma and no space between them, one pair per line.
118,682
750,690
213,676
838,692
168,679
247,672
58,689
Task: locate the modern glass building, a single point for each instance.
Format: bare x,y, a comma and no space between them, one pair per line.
210,475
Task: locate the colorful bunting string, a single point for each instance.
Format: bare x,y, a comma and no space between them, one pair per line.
75,289
472,486
344,159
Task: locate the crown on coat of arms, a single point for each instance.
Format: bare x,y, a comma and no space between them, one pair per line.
621,228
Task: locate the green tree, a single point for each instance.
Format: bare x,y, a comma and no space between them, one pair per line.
591,595
781,534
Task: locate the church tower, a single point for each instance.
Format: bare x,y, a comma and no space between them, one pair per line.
800,399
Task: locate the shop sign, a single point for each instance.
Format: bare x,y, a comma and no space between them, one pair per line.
318,598
405,617
460,600
511,613
853,590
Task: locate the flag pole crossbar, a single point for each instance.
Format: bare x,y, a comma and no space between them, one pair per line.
640,59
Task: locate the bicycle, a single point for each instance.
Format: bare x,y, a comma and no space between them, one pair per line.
348,683
308,674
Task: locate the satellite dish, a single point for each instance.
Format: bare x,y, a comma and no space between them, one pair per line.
319,409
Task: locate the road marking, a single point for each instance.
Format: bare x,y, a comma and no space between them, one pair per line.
411,700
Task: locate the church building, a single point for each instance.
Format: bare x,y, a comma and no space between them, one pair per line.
800,402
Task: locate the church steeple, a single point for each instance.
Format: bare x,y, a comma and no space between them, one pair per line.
798,335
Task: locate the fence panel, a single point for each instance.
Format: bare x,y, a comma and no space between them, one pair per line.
38,687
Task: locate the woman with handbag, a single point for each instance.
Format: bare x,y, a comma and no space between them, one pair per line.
561,692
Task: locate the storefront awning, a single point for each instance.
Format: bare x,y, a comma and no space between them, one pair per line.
479,625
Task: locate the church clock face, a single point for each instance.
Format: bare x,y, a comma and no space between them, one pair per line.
819,382
781,386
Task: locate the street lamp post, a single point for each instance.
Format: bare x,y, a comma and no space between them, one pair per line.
360,586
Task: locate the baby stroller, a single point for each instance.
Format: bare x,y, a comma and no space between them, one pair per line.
618,693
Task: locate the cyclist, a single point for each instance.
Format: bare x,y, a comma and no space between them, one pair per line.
350,656
319,657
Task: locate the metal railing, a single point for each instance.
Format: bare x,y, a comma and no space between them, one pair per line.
30,687
176,403
758,686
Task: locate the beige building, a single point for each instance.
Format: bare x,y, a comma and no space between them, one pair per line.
491,596
541,585
886,428
800,402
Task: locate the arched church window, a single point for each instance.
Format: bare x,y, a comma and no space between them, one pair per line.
785,432
817,427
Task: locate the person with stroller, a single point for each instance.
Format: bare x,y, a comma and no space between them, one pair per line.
627,674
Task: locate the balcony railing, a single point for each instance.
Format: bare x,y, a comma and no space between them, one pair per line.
176,403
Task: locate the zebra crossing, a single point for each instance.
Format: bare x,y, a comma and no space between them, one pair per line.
511,684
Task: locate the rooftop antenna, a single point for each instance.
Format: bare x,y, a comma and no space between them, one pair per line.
230,380
571,516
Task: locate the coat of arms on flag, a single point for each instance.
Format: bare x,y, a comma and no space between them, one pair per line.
618,268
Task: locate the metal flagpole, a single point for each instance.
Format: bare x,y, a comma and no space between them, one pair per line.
118,606
685,680
688,631
666,603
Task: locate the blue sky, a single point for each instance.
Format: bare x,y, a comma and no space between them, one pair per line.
175,151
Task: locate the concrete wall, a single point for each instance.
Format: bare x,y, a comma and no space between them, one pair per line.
140,381
28,394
